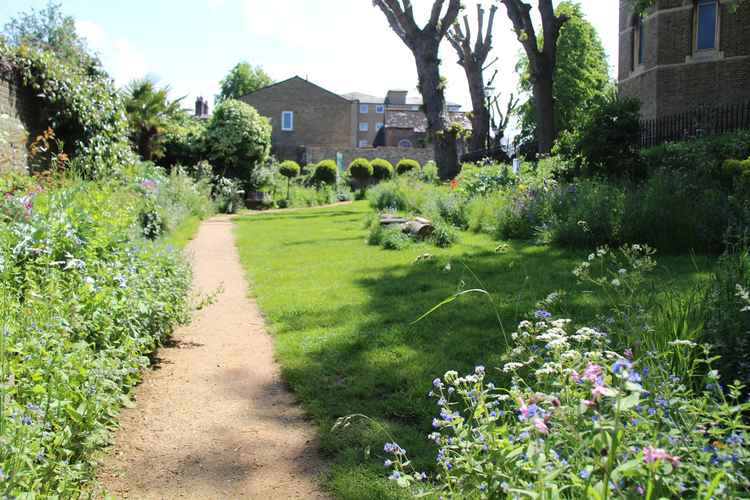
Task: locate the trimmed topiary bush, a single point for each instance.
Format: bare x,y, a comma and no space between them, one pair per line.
407,165
382,170
289,169
325,172
360,170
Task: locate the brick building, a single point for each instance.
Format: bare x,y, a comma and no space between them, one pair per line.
683,54
304,114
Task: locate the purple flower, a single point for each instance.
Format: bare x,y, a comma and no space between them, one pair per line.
620,365
542,314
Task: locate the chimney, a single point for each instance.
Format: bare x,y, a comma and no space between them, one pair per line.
199,106
205,108
396,97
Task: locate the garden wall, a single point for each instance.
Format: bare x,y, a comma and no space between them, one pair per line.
393,155
19,118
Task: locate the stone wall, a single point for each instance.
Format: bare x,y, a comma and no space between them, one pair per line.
18,119
393,155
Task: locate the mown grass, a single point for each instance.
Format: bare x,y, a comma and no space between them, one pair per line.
342,313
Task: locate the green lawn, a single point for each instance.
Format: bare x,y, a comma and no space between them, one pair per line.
342,312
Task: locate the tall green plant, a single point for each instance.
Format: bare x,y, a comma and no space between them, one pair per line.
150,113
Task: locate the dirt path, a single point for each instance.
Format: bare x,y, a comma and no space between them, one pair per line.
214,419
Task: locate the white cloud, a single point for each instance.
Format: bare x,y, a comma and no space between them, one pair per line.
215,4
92,32
126,62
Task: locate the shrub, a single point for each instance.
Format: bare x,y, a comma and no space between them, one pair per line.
430,173
703,156
393,238
728,324
477,181
326,172
382,170
361,170
587,213
238,139
608,141
444,234
522,213
228,195
289,169
407,165
85,298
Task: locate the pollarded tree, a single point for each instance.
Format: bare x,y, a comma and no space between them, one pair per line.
289,169
241,80
424,44
472,57
542,60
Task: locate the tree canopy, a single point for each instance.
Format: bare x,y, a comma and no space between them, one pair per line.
241,80
150,113
581,75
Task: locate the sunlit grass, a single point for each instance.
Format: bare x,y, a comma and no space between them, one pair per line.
342,314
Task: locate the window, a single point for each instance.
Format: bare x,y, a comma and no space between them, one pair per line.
287,121
639,39
380,109
415,108
378,126
363,143
706,20
364,109
404,143
364,126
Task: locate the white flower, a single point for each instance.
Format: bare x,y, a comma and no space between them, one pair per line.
591,257
557,344
561,323
525,325
451,377
514,336
547,369
682,343
540,325
622,272
570,356
615,283
89,280
511,367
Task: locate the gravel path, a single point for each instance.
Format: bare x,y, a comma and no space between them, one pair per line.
213,418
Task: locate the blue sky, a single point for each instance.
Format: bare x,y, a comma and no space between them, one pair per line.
343,45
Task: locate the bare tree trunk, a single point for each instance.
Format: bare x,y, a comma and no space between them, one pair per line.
425,44
472,58
541,62
544,104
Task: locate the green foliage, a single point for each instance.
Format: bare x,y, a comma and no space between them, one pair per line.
242,80
430,173
728,322
183,140
238,139
606,142
150,113
703,155
581,79
85,298
80,104
326,172
361,170
444,234
227,195
289,169
382,170
479,181
407,165
48,29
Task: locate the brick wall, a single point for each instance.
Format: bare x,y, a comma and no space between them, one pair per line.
393,155
674,78
18,120
321,118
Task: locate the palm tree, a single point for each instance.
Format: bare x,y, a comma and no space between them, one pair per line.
149,112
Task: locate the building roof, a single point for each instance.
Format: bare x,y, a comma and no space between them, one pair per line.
417,121
363,98
298,78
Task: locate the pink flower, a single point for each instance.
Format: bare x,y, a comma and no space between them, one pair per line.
541,426
523,409
575,377
651,455
600,391
592,372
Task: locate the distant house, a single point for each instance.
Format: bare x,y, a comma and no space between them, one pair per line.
304,115
683,54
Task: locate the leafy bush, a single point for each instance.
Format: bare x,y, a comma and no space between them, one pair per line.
289,169
607,143
382,170
430,173
703,156
728,324
477,181
444,234
361,171
389,237
85,298
228,195
326,172
238,139
407,165
183,141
